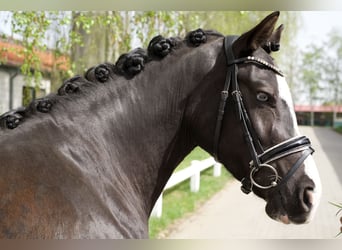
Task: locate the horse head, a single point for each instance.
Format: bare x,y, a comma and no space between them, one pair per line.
256,135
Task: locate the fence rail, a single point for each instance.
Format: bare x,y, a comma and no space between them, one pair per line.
193,172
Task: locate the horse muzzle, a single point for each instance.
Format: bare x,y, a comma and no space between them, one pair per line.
297,206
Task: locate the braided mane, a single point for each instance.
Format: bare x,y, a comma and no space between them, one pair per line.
128,65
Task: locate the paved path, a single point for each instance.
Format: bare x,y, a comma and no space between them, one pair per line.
231,214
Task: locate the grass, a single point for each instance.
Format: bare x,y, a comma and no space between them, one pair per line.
179,201
338,129
196,154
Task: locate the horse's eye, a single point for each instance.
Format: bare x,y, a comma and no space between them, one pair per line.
262,97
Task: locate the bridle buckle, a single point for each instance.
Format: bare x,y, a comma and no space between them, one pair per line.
224,93
236,92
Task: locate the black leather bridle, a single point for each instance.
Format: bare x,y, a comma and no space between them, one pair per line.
260,158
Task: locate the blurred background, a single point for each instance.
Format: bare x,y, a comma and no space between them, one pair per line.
38,50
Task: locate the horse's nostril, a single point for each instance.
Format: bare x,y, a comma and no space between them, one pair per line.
308,198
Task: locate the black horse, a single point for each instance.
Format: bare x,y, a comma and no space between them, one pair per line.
94,162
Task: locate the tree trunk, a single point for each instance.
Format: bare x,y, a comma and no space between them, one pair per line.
92,50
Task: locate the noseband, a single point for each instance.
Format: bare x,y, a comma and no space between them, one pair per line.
261,158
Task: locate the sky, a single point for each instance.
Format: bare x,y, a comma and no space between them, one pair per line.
316,25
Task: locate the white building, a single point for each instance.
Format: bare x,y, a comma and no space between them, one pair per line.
13,88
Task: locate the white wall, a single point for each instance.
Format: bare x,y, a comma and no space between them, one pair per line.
4,91
18,83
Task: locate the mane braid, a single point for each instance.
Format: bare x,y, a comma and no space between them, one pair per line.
128,65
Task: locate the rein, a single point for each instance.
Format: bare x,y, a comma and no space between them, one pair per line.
260,158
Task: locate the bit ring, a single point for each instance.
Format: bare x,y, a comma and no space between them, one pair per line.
255,170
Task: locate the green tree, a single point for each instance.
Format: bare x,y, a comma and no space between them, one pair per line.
34,31
90,38
288,57
311,72
32,27
332,66
321,70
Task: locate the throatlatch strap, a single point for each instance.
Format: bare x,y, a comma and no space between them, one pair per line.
231,72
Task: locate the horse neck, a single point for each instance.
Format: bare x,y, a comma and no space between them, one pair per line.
133,133
149,123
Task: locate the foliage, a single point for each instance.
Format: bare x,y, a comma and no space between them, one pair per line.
150,23
332,66
93,37
312,71
338,130
339,206
32,27
322,70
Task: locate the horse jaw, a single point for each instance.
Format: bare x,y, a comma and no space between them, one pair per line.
312,172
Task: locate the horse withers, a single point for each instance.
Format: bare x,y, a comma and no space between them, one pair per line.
94,164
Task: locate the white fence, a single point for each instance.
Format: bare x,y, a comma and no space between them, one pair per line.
194,173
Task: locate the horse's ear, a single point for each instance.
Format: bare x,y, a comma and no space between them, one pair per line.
256,37
273,43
